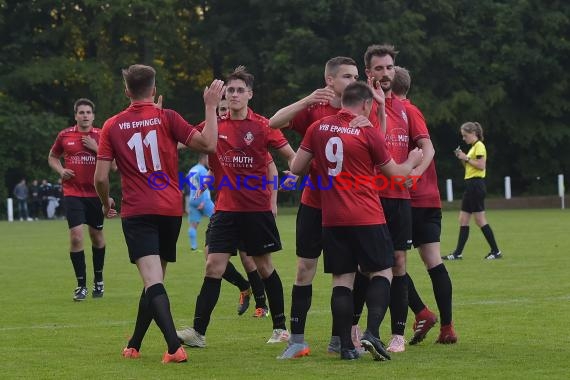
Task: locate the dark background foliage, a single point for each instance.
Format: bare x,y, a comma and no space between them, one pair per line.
502,63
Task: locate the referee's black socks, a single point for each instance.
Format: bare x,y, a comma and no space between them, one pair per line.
490,237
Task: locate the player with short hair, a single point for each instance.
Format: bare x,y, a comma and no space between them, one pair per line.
78,145
426,224
339,72
243,214
352,241
143,140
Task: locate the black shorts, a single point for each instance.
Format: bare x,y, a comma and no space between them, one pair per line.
398,213
426,225
474,195
309,232
347,247
255,232
152,235
80,210
207,239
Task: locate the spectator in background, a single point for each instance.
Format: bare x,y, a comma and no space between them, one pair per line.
58,195
35,200
21,194
45,193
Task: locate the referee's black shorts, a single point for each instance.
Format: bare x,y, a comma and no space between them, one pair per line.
474,195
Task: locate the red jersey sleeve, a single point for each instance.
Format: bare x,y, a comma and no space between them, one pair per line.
57,148
275,139
377,145
300,121
307,142
105,149
181,130
201,126
417,122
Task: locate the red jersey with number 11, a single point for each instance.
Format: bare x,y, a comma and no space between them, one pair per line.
143,140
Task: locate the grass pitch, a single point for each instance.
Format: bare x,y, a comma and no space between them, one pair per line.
511,315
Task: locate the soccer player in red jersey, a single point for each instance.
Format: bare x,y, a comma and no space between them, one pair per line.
143,140
426,224
339,73
78,147
253,285
352,241
243,216
379,61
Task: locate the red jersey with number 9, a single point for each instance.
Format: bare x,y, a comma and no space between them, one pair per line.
143,141
300,123
344,154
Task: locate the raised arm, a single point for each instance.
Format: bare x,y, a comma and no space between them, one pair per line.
282,117
206,140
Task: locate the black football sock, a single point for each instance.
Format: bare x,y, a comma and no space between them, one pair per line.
160,306
414,300
257,288
274,289
144,318
399,304
442,291
301,297
359,295
98,263
232,276
490,237
377,301
342,308
78,261
205,303
463,236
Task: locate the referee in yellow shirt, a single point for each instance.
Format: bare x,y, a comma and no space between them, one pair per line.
474,197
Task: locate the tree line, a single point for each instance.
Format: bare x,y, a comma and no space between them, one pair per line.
502,63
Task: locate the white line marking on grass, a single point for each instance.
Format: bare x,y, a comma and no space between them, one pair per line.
312,311
69,326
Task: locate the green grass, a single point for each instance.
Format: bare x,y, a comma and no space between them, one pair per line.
511,315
